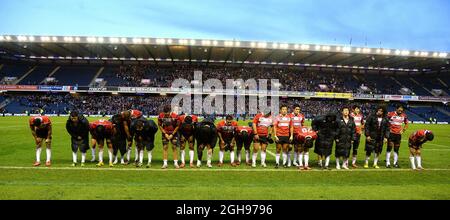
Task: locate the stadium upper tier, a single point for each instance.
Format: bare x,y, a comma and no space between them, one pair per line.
291,78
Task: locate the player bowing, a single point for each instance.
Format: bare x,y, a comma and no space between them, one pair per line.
226,130
143,132
415,142
244,138
102,130
78,128
41,129
168,124
186,133
305,138
262,130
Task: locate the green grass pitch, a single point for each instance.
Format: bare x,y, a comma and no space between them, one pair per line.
19,180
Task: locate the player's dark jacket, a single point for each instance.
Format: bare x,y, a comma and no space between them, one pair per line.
117,121
346,132
81,129
205,132
375,130
326,127
147,133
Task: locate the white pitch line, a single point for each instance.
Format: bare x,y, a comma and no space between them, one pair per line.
271,153
209,170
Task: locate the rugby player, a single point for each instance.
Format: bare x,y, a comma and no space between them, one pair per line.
284,130
41,129
226,130
168,124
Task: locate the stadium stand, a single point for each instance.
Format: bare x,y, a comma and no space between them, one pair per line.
75,75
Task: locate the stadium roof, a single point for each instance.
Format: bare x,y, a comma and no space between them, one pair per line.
218,51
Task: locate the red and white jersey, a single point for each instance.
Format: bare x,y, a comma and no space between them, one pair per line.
183,116
396,121
241,129
418,136
105,123
283,123
262,124
359,121
45,120
169,123
306,132
227,131
135,114
297,122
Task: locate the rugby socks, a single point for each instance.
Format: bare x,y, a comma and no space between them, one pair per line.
277,158
247,156
110,155
300,159
238,156
221,153
49,154
419,161
100,156
136,154
306,156
141,156
175,162
367,159
354,160
338,166
191,156
375,159
74,157
38,154
388,158
182,156
345,162
232,156
93,154
83,157
395,157
263,157
284,158
128,154
149,155
413,166
288,155
209,157
295,157
327,161
254,156
164,162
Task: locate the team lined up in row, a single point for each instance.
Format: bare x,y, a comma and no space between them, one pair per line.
342,131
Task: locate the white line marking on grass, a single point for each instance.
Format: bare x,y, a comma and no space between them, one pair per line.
210,170
271,153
